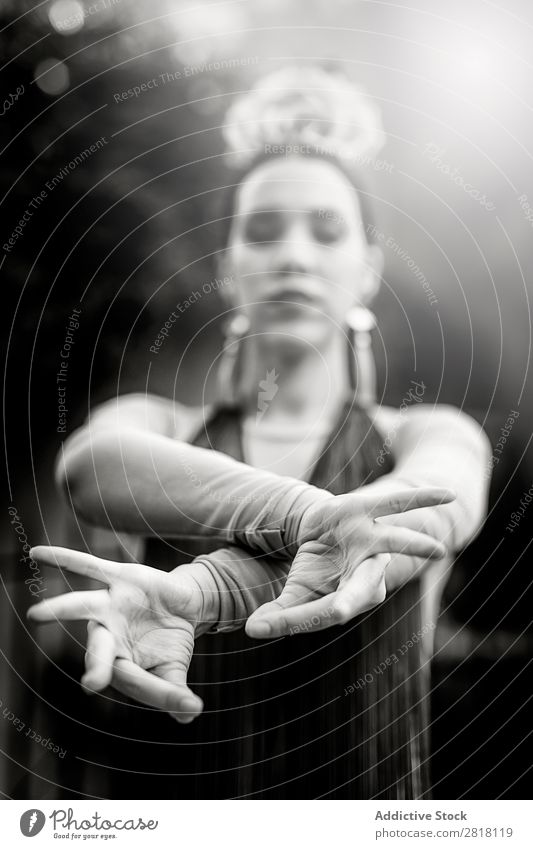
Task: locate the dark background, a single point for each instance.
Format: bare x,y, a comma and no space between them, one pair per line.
131,231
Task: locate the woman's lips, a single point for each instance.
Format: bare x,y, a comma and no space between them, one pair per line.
294,297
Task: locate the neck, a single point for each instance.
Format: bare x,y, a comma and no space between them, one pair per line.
294,382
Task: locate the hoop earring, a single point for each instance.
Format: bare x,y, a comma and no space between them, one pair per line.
230,367
361,365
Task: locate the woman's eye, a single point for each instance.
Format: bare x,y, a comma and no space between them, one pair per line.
263,227
328,227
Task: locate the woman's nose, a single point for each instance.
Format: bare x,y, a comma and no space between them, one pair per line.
296,252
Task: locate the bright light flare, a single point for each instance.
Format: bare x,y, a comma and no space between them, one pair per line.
66,16
52,76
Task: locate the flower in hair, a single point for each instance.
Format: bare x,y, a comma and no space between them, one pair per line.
303,110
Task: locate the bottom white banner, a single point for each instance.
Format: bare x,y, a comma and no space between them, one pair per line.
265,824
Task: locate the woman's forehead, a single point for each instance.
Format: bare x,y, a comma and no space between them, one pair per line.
297,183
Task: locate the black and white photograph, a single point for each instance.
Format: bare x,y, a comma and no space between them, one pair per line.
266,274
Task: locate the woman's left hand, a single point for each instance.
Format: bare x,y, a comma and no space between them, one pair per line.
340,570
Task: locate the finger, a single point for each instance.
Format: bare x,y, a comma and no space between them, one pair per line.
296,592
151,690
361,591
397,540
293,594
77,561
174,672
99,658
191,704
90,604
385,504
274,620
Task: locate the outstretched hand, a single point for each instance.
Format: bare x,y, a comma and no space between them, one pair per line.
340,567
141,628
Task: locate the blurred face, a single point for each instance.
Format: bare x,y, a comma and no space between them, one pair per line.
297,251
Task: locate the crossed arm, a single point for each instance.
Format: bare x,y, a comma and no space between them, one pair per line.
129,473
125,470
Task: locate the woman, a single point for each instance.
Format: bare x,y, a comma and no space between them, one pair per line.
263,484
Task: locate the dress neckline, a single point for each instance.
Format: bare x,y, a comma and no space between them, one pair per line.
330,434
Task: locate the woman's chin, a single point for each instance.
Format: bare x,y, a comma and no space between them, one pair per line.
298,325
302,336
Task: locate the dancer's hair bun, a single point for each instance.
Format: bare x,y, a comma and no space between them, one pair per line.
305,108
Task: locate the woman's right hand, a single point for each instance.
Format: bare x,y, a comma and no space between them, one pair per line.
141,627
339,569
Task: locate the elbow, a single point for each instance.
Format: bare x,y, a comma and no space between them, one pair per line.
470,526
472,503
480,505
472,512
471,432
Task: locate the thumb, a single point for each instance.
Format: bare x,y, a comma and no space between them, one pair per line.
301,586
183,705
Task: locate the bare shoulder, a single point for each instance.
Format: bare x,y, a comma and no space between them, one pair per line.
431,418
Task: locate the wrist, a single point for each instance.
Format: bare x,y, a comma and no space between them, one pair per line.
273,519
205,590
305,516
